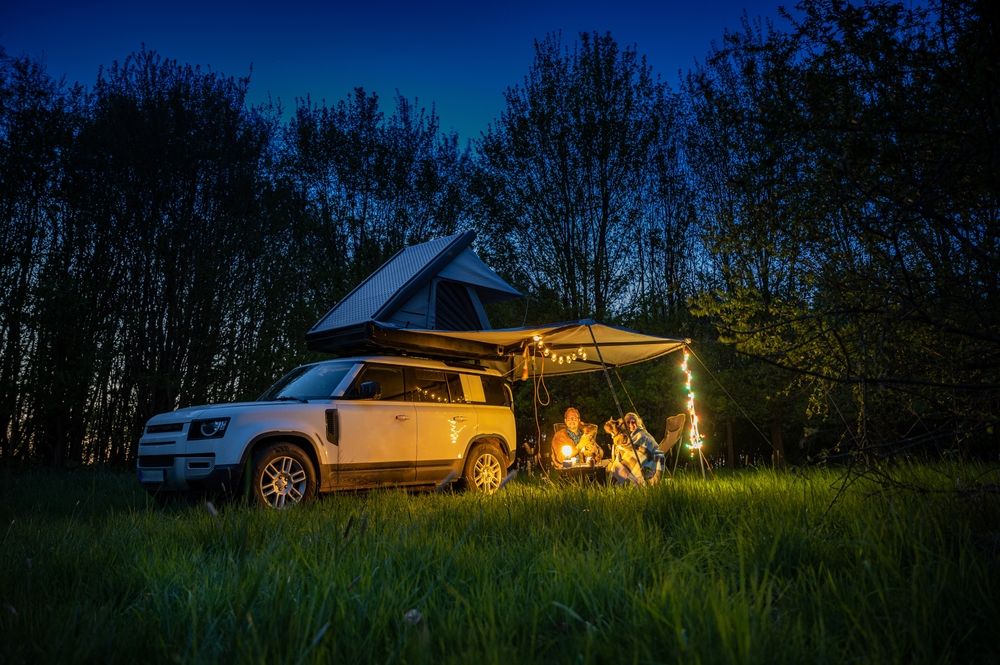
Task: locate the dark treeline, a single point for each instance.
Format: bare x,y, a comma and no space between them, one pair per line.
817,206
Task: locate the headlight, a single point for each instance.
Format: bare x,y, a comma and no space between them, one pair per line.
211,428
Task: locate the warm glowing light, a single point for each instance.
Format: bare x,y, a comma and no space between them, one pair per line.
567,451
696,438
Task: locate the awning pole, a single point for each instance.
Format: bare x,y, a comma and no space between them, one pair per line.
607,376
600,356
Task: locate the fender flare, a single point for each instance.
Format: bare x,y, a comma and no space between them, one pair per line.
499,439
293,437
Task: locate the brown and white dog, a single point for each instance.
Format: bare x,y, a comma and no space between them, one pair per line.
619,436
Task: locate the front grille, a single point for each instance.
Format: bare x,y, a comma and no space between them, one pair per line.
156,461
199,461
167,427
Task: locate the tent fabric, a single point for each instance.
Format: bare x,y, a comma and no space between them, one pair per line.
467,268
615,346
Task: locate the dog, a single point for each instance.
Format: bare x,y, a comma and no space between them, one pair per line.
619,433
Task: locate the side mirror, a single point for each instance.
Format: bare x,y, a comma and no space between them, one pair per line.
369,390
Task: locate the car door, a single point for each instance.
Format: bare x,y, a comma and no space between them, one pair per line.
377,430
445,423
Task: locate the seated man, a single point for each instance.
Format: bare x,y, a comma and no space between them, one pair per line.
577,440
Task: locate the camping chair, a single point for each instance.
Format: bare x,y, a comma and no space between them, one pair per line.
672,433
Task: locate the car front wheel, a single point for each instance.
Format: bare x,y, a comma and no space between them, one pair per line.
283,476
484,469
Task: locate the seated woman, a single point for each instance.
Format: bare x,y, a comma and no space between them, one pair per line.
635,457
577,440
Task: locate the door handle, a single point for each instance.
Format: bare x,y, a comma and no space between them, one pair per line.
459,419
402,417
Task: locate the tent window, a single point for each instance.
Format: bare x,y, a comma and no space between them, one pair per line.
454,309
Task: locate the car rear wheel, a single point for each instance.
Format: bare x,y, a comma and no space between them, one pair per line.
484,468
283,476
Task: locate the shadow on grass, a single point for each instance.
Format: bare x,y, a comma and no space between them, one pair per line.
55,493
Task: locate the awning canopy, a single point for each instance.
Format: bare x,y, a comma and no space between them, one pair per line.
590,342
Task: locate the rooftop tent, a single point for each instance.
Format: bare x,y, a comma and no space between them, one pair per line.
427,300
436,285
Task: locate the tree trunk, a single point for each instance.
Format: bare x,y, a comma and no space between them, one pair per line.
778,445
730,451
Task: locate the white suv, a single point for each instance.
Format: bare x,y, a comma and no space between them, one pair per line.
340,424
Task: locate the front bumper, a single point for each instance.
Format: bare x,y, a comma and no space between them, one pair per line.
180,473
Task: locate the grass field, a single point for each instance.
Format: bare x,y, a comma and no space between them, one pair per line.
752,567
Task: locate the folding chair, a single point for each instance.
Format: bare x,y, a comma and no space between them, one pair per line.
672,434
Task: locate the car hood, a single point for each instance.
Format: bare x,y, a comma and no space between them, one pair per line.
210,410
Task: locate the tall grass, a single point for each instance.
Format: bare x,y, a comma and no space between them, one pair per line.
752,567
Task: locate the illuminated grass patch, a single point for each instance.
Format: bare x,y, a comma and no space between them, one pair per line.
752,567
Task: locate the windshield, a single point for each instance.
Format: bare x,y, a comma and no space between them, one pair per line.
308,382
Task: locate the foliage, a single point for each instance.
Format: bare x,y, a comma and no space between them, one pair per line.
372,184
164,245
843,247
577,175
816,208
752,567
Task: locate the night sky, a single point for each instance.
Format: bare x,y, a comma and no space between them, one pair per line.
459,56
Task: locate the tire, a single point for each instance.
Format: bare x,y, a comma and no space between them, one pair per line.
484,469
283,476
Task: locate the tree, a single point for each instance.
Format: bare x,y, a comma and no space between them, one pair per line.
564,176
851,203
372,184
37,123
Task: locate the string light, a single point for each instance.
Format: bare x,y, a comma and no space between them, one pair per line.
696,438
536,347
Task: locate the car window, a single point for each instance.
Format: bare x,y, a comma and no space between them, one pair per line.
308,382
493,389
389,380
455,388
431,385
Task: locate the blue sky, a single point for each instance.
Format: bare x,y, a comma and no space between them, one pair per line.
458,56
